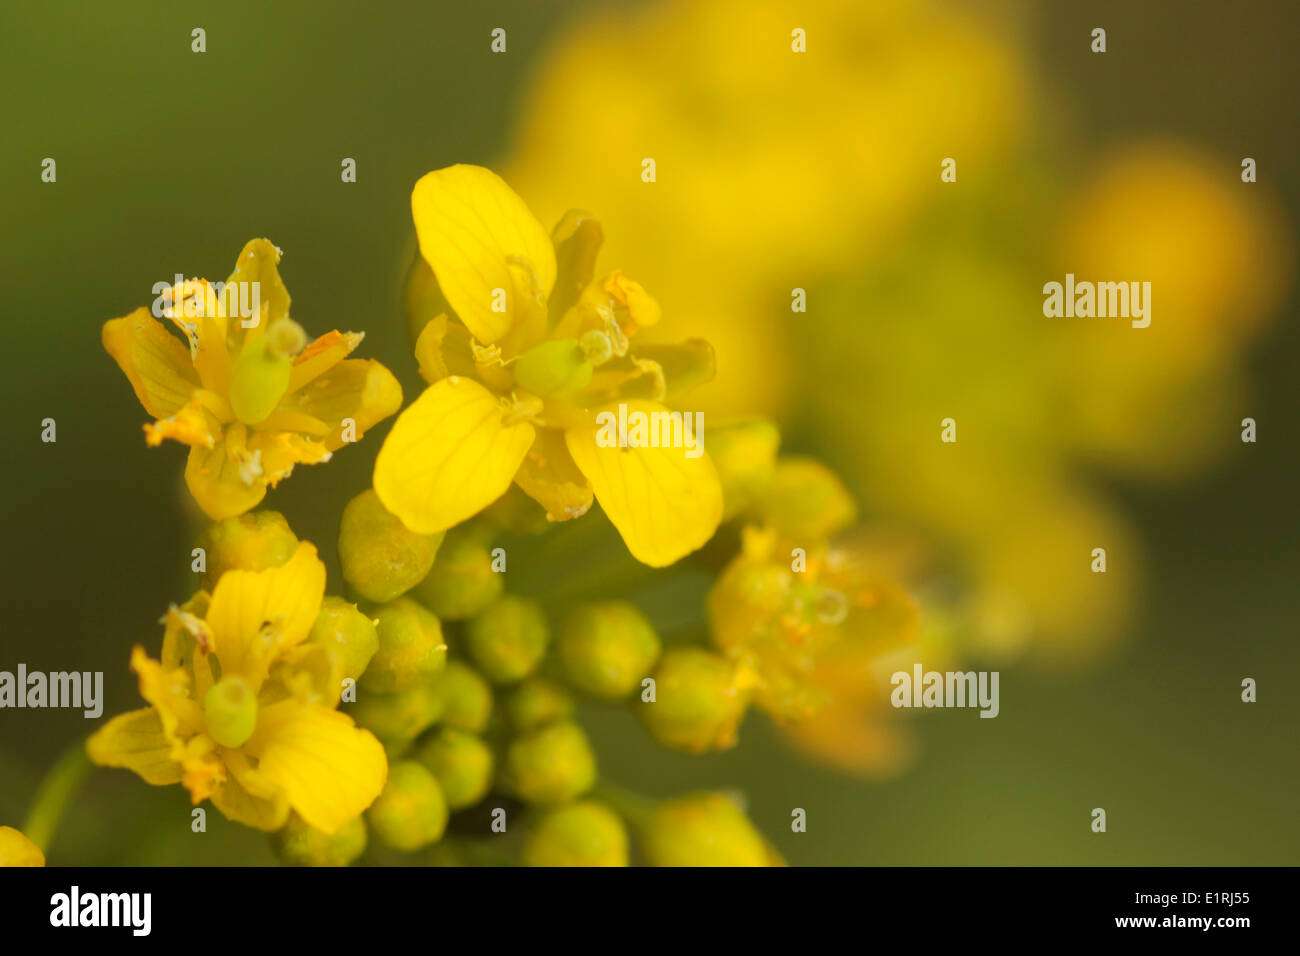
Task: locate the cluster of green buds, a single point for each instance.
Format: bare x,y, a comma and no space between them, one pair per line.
475,694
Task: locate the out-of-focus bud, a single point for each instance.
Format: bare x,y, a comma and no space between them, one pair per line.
551,765
700,700
251,542
461,582
348,637
411,812
462,763
553,368
703,829
298,843
744,452
537,701
397,719
607,648
582,834
411,648
17,850
465,697
508,639
806,501
382,559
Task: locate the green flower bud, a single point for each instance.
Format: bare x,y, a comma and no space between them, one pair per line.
551,765
465,697
581,834
411,812
509,639
382,559
251,542
607,648
230,711
297,843
537,701
744,452
553,368
806,500
397,719
461,582
462,763
259,376
348,637
703,829
700,700
411,648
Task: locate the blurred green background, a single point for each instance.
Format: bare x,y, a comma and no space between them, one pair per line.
168,161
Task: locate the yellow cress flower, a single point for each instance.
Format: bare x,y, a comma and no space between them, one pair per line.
250,395
225,719
524,347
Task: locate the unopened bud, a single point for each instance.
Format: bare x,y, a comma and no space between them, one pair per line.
251,542
411,812
607,648
703,829
582,834
462,762
298,843
700,700
507,640
551,765
411,648
461,582
465,697
537,701
382,559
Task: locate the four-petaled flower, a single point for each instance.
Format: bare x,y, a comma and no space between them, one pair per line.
524,349
250,396
229,718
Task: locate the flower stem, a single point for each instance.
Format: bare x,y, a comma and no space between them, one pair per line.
55,792
632,807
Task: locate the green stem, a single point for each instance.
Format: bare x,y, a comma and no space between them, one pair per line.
55,792
632,807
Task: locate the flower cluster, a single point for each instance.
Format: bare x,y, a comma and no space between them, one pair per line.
425,707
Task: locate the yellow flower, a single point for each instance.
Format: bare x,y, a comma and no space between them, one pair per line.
250,396
17,850
527,352
228,716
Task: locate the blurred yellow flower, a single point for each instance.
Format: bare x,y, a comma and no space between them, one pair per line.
227,725
250,396
519,387
17,850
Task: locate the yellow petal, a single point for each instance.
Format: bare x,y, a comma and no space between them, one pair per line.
321,355
478,236
135,741
360,391
190,425
549,476
223,488
155,362
17,850
664,503
449,456
329,769
247,797
255,616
